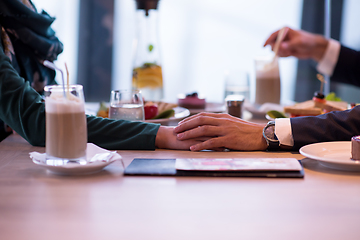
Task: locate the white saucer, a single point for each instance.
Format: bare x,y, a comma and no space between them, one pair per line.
335,155
97,159
74,168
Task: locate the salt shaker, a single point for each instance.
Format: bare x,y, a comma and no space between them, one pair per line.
234,105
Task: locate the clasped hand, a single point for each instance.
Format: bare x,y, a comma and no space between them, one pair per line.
221,131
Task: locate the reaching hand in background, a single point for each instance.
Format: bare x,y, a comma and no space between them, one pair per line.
300,44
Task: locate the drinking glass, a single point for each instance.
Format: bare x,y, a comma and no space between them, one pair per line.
237,83
66,129
267,80
126,105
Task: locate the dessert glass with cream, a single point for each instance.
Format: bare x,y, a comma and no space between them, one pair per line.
66,129
267,81
355,148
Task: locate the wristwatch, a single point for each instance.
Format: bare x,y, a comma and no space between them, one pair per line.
270,137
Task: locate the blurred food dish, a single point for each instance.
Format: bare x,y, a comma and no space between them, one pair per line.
191,101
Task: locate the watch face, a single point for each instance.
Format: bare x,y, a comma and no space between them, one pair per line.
270,133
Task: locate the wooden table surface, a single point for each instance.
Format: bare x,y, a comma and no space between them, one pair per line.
36,204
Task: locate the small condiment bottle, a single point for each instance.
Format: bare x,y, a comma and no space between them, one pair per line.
234,105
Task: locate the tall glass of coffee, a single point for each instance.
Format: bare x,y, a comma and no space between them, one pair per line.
66,130
267,80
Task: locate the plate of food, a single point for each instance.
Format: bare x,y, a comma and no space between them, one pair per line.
273,114
178,114
260,111
336,155
318,105
155,112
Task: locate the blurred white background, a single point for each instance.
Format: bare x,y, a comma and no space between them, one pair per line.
66,13
200,40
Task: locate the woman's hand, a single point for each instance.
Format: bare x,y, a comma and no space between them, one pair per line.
166,138
222,131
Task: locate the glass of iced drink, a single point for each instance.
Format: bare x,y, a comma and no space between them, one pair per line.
66,130
126,105
237,83
267,81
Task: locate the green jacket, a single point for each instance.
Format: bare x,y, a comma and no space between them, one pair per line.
21,107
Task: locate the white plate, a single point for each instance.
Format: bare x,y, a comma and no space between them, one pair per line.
272,119
335,155
259,111
210,107
180,113
74,168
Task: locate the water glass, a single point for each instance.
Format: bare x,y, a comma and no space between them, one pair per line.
237,83
126,105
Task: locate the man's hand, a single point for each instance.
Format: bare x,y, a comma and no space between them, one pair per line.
300,44
223,131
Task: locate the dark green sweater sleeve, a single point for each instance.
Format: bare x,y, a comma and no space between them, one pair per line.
21,107
121,134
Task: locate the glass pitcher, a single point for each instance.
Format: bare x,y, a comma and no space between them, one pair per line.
147,71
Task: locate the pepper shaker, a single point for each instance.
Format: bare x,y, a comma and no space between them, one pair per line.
234,105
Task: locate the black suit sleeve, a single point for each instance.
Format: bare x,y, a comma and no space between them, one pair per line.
333,126
347,69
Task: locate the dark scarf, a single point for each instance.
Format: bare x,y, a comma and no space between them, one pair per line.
29,40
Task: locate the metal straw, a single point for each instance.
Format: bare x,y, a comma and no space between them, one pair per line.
327,31
52,66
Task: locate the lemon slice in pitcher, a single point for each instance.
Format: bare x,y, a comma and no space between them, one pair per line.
149,76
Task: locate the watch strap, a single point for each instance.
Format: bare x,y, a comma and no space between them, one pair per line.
273,142
270,136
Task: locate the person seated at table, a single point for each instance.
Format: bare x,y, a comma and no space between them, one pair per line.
27,40
342,63
22,53
334,59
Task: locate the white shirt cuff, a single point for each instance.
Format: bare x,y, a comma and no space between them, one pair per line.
327,63
283,131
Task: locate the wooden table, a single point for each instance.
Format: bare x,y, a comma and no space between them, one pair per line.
36,204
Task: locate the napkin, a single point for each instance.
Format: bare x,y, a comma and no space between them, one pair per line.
94,154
